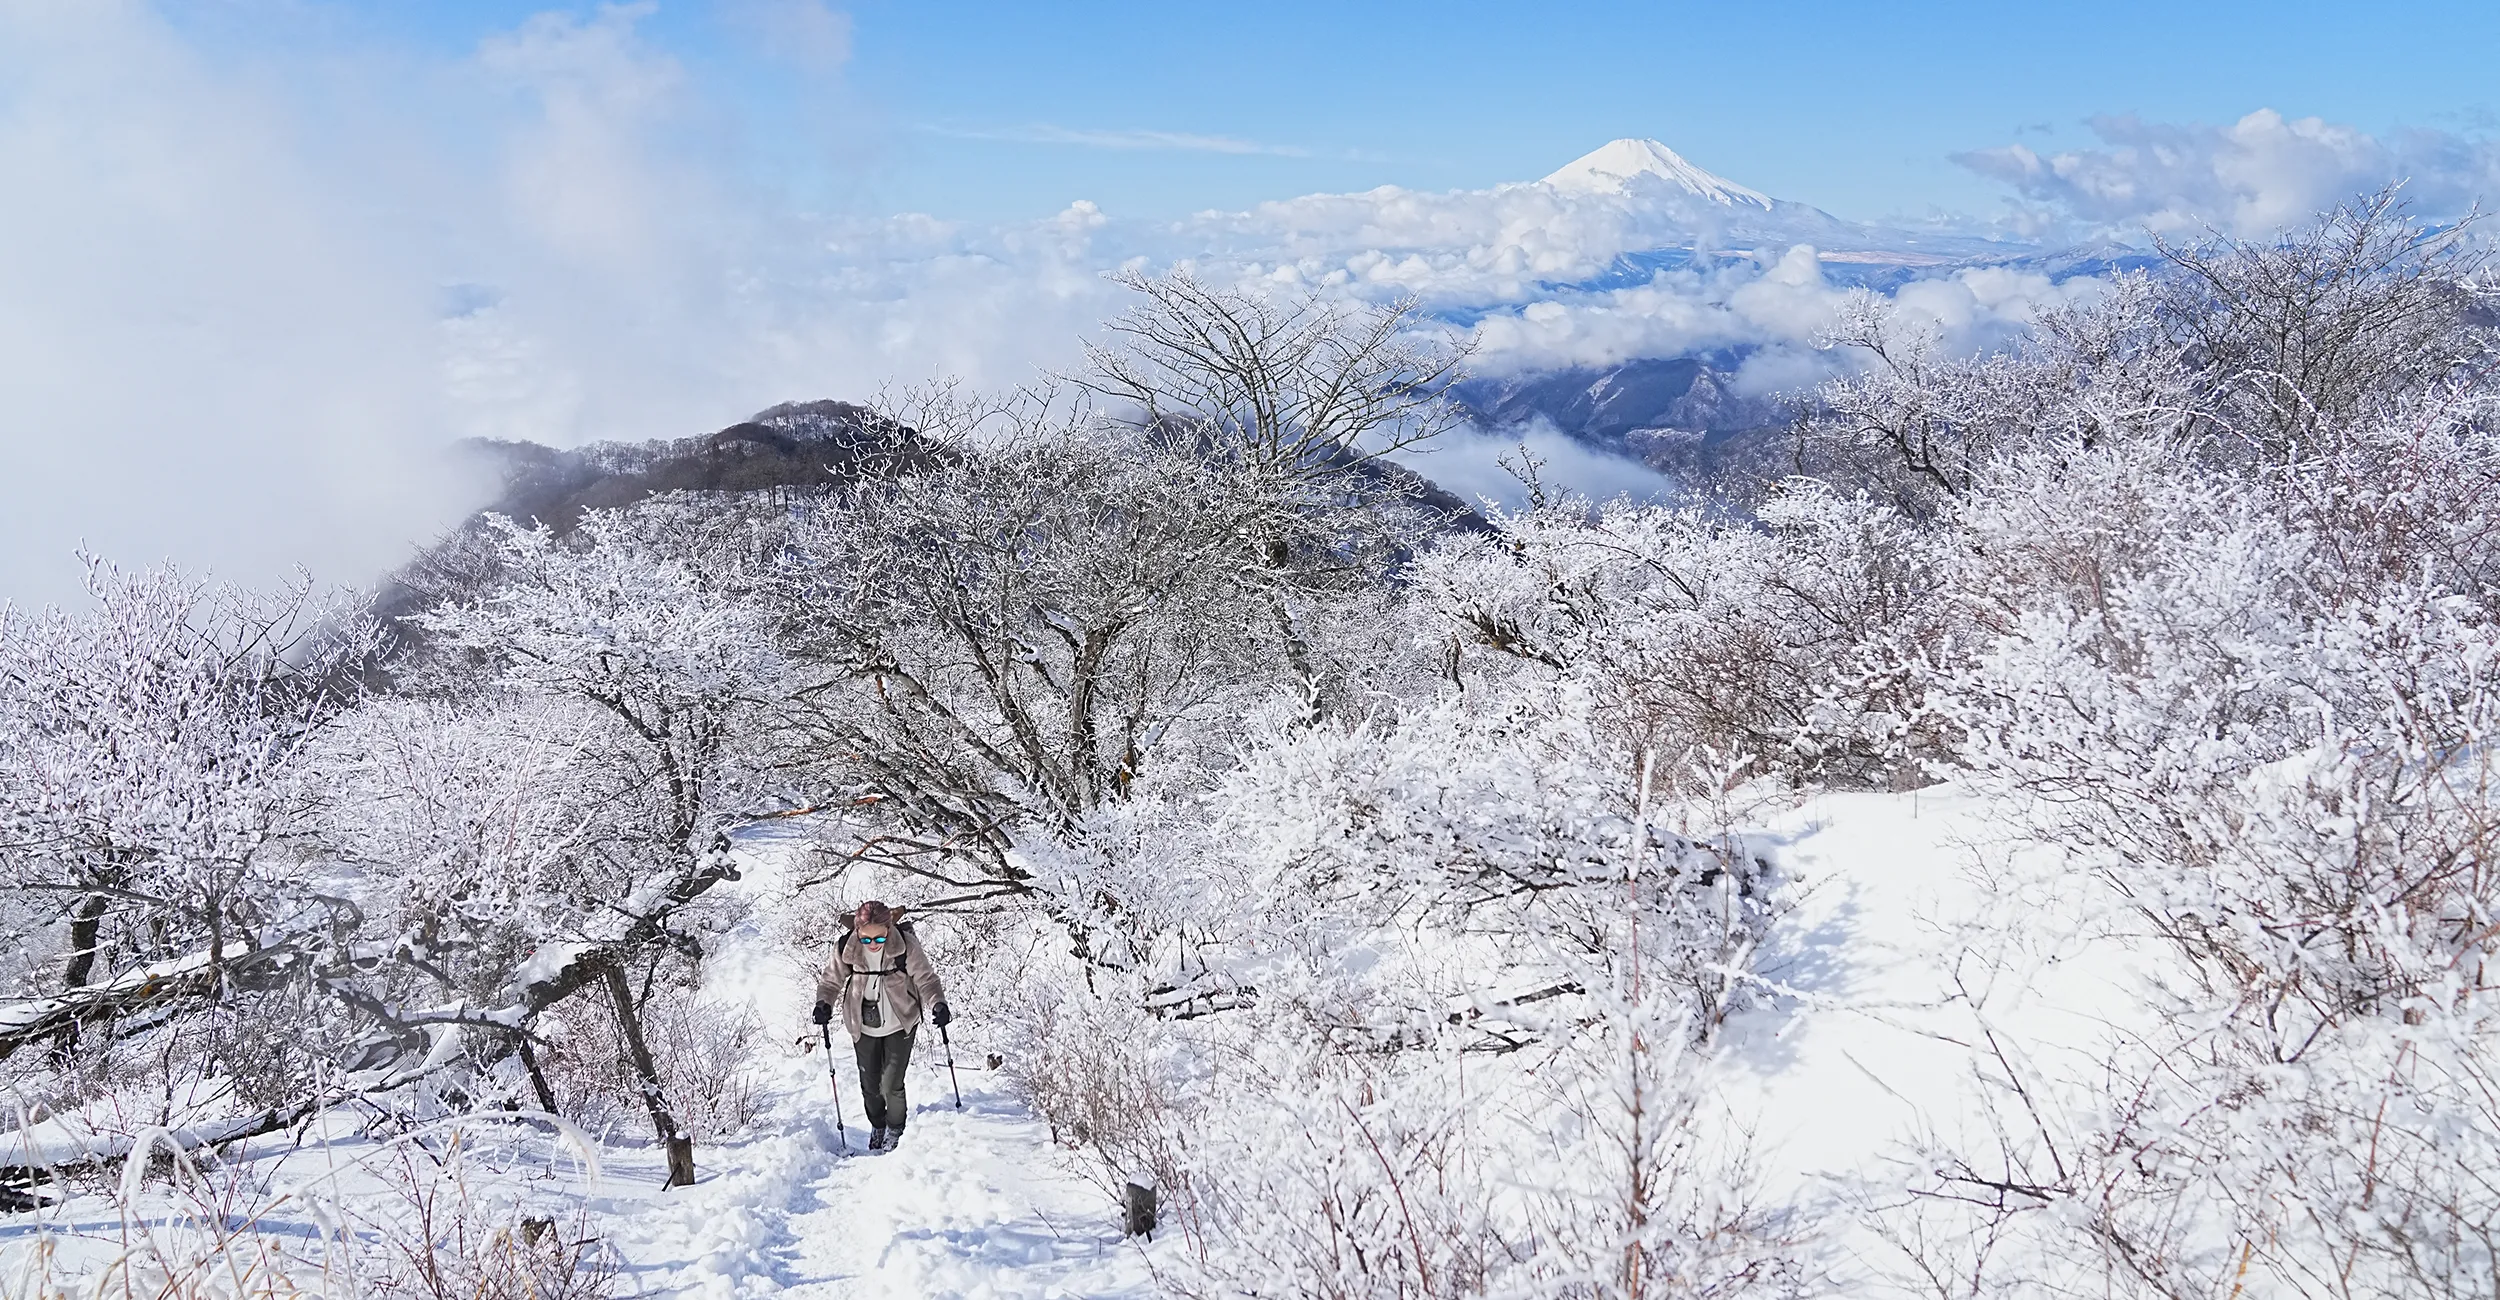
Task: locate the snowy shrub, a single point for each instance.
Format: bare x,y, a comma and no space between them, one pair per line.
1590,1163
1107,1076
2276,760
1780,645
1650,1192
424,1219
159,798
1352,1181
437,1235
1371,962
704,1048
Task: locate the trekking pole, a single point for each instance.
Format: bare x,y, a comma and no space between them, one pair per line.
833,1072
950,1067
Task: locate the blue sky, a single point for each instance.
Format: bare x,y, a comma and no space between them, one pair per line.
268,258
998,111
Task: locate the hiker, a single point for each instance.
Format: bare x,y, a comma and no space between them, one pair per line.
881,978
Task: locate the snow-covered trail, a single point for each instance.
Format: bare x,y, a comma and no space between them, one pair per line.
1904,948
976,1203
1931,951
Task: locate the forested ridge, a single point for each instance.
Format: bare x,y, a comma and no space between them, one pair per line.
1379,878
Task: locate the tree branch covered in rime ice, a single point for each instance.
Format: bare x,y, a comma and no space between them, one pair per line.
1300,400
1784,644
1006,644
157,796
1403,904
1917,425
2300,337
1309,386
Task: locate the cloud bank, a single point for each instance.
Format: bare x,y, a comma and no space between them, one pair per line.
245,303
2249,178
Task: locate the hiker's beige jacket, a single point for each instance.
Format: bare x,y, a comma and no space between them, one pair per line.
895,974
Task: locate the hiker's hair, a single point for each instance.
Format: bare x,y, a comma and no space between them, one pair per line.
873,912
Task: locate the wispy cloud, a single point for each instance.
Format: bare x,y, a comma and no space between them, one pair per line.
1135,140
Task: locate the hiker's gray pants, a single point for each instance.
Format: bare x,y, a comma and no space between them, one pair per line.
881,1063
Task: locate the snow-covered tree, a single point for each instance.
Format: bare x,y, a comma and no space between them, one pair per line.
1006,643
2317,332
1776,644
660,669
156,792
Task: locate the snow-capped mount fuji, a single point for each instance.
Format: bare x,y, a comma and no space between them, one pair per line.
1627,166
1657,218
1659,198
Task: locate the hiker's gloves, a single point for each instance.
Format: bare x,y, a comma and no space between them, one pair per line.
824,1013
940,1016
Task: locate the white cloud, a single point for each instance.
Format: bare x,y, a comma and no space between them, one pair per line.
209,349
1478,465
1461,247
240,312
2252,177
222,291
1770,309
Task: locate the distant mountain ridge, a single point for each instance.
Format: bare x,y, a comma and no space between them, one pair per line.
799,448
793,445
1678,413
1673,414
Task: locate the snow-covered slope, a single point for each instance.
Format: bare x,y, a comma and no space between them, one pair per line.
1889,975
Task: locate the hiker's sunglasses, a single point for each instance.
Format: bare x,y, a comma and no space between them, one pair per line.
878,938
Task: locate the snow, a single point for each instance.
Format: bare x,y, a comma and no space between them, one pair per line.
976,1203
1902,951
1870,1037
1617,166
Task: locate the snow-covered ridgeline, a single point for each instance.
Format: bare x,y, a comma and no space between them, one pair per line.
2048,848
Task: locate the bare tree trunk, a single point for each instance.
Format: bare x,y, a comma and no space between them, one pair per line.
86,934
538,1078
638,1053
86,931
1298,661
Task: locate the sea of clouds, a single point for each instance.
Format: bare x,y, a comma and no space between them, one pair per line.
251,288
